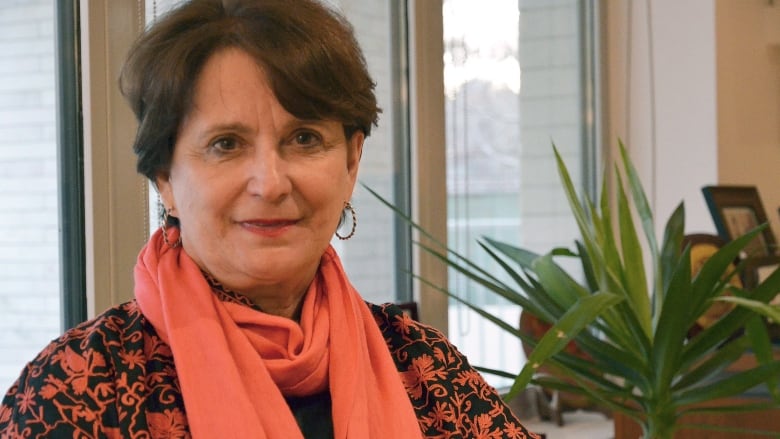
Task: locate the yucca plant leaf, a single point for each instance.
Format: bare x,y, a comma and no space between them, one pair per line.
607,272
605,359
587,267
673,324
521,256
733,385
620,324
646,217
730,407
757,333
582,313
496,372
443,247
584,222
588,382
490,283
527,282
672,245
714,274
574,203
602,248
713,365
588,370
561,287
511,329
611,255
401,214
546,309
712,337
600,395
626,330
634,277
759,307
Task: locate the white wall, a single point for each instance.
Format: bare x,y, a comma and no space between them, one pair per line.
662,100
749,100
697,98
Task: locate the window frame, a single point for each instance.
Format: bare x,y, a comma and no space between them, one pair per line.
116,211
70,160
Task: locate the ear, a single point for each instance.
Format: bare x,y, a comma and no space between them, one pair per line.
163,184
354,152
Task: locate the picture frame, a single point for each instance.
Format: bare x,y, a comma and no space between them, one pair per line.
736,210
757,269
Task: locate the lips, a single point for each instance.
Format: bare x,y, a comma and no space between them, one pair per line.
268,227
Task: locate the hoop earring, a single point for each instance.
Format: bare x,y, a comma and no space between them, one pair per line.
165,216
348,206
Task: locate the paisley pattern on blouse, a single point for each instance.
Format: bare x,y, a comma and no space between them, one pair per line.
113,377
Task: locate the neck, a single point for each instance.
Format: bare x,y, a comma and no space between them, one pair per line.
285,307
283,299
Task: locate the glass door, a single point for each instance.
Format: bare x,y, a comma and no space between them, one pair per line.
514,77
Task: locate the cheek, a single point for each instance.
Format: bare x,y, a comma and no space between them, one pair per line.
197,196
328,193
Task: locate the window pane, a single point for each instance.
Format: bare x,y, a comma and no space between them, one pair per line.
512,84
370,256
29,240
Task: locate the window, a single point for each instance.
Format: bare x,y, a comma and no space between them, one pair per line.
376,258
30,306
515,81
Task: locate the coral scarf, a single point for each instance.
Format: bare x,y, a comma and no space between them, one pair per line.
235,364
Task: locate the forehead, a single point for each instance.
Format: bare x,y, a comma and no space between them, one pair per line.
228,69
230,84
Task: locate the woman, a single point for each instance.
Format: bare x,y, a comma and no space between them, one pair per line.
252,117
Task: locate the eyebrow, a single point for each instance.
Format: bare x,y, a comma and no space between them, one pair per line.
242,129
210,130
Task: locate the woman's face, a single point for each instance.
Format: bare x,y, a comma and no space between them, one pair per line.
258,192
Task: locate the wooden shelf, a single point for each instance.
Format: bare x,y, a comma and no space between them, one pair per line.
766,420
763,420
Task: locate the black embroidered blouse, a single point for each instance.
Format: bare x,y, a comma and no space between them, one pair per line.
113,377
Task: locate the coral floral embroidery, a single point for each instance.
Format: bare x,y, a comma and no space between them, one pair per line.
113,377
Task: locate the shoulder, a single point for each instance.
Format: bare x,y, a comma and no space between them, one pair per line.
93,343
415,345
394,321
76,379
449,396
408,338
412,342
99,342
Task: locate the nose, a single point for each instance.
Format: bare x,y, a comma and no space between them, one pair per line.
269,178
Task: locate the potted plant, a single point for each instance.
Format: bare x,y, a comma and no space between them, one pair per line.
631,319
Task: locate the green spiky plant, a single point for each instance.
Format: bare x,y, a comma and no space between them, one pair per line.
629,318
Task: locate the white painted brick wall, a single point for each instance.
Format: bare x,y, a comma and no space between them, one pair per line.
550,110
368,257
29,269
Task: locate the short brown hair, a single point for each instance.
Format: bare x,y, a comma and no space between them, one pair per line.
308,52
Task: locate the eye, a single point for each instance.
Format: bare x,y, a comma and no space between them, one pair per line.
224,144
307,139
